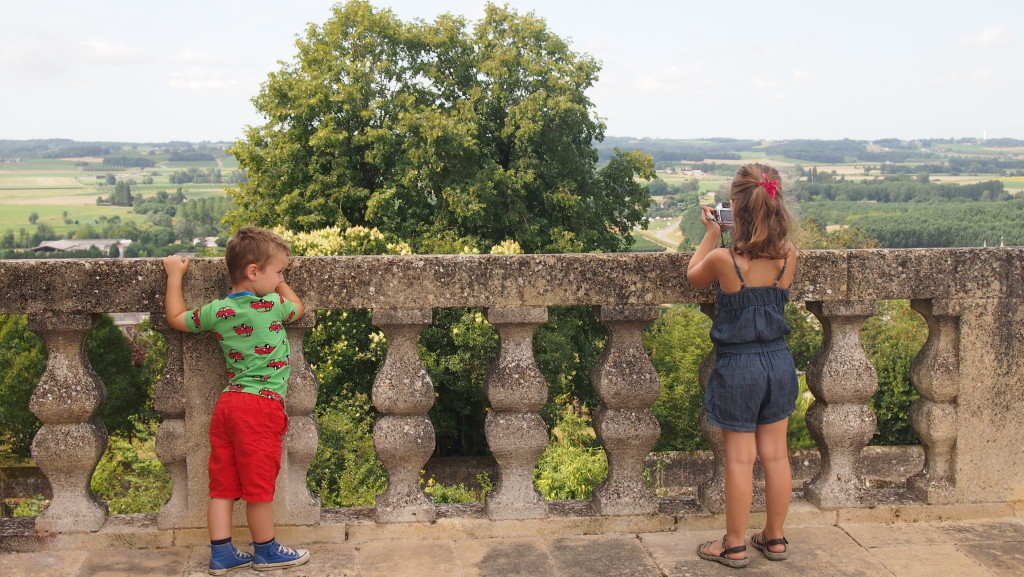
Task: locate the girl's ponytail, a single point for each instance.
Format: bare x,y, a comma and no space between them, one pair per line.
762,224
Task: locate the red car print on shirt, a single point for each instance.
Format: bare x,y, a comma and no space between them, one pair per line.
276,327
243,330
218,336
291,315
271,394
225,312
262,306
263,349
278,364
262,378
195,318
231,375
236,388
235,355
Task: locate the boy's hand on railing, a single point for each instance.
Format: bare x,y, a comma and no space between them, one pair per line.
176,265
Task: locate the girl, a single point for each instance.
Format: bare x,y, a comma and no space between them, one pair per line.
753,385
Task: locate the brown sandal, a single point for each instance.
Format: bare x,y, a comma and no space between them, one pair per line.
724,558
757,540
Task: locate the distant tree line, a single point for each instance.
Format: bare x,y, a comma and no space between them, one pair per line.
190,156
125,161
669,151
896,189
960,165
839,151
196,176
956,223
51,148
997,142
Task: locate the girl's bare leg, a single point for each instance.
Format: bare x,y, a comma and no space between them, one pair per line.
740,453
778,478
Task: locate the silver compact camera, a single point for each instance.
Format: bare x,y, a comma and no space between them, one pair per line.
722,214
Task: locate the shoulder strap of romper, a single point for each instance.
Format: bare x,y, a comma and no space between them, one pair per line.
785,263
743,283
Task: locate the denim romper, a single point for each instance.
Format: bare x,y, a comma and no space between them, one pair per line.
753,381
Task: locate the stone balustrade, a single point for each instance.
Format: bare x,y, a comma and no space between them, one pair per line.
969,417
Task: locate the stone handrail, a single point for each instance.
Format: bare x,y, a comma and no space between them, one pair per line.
971,405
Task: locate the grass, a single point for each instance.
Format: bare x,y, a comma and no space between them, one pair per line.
38,164
16,217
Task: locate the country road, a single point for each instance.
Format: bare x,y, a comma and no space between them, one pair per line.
669,236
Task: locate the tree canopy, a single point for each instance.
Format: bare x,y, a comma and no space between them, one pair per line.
439,132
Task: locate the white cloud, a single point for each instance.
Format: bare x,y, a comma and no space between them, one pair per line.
983,74
190,56
993,35
198,79
801,76
102,51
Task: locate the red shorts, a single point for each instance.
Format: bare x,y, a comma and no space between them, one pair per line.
246,437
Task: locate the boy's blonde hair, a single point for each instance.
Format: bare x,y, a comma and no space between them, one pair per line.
762,225
252,245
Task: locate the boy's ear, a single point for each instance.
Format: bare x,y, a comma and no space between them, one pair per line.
251,270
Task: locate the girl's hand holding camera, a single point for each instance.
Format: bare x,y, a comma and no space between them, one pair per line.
708,218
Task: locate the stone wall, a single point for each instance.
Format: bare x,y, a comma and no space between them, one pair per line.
970,413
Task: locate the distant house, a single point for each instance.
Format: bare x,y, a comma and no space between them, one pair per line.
103,244
209,241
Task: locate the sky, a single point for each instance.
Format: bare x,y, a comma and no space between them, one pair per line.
143,71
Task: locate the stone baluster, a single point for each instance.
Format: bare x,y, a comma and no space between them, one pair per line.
516,434
71,441
711,492
628,385
403,435
171,441
935,373
842,379
298,505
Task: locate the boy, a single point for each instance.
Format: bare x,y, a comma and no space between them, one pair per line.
248,423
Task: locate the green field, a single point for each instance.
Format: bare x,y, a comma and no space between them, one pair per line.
64,194
1014,182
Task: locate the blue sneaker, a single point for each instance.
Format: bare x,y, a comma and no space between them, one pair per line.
224,558
274,555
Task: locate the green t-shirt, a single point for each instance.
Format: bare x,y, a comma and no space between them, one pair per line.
251,333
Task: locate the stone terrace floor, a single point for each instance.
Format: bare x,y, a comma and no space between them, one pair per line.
960,548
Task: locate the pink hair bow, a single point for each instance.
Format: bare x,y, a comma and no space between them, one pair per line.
770,186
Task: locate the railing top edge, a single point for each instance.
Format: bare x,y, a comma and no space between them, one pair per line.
537,280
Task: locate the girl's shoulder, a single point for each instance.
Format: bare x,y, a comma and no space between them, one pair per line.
721,254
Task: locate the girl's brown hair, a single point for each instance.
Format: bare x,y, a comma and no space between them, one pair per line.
762,225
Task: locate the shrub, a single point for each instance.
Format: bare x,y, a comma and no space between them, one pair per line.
458,493
573,463
31,507
130,477
345,471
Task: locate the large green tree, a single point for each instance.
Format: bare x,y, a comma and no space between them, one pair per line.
439,132
450,137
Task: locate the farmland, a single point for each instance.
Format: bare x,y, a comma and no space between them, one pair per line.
62,193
